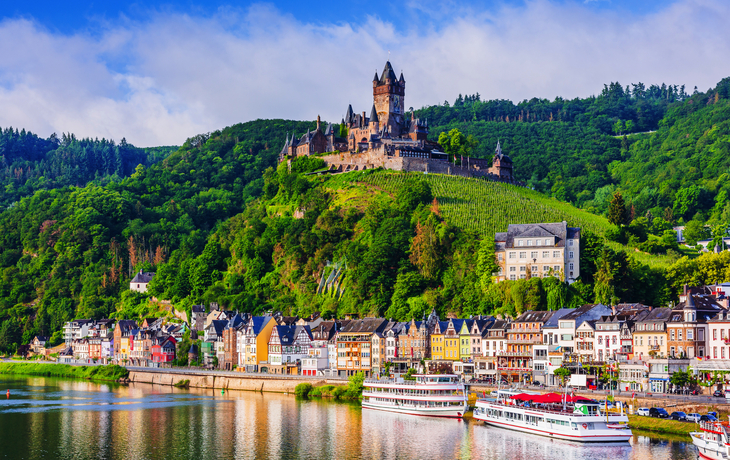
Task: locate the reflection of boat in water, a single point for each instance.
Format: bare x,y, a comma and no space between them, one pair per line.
713,440
502,444
566,417
440,395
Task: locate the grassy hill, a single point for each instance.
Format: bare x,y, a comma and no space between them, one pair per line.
479,206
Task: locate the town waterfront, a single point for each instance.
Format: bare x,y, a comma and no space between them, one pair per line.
72,419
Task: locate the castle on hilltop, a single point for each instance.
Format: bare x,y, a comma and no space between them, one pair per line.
389,139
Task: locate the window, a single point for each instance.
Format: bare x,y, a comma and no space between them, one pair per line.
512,277
570,266
556,254
545,254
600,340
546,268
671,351
679,334
512,255
499,257
613,340
556,268
671,334
722,352
547,242
690,334
661,340
529,242
520,243
570,255
534,269
714,352
714,335
701,335
513,269
570,243
533,255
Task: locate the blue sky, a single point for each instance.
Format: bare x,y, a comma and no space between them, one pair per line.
159,72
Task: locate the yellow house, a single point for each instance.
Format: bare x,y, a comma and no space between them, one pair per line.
437,342
452,343
257,335
650,334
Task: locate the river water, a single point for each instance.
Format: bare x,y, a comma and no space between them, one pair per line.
70,419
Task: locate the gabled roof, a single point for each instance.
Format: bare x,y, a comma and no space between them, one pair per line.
656,314
552,322
142,277
126,325
365,325
218,325
534,317
583,310
559,230
259,322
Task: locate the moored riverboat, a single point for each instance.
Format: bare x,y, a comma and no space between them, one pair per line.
567,417
712,441
441,395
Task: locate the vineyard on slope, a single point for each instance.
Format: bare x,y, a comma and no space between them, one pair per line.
478,205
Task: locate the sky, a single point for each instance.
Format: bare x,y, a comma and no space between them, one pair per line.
157,73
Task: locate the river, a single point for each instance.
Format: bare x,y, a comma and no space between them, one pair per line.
74,419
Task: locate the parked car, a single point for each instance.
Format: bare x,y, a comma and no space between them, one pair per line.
604,405
680,416
645,412
694,417
658,412
718,394
713,413
708,418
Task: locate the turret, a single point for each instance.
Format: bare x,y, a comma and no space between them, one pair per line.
373,118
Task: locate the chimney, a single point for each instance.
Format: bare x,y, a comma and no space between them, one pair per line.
685,289
318,121
613,309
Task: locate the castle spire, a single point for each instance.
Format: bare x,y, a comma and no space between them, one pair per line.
373,115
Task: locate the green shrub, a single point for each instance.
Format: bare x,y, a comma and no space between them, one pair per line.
339,392
316,392
302,390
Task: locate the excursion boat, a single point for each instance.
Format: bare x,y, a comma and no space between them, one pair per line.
713,440
441,395
567,417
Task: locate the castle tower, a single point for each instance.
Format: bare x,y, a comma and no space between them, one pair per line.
501,164
389,98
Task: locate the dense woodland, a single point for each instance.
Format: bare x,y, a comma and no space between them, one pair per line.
29,163
218,221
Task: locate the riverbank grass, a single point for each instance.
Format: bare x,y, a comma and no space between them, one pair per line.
658,425
351,392
110,372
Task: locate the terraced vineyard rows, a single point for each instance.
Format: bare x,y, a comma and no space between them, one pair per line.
483,206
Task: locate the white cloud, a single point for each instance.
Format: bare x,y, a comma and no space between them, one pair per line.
173,76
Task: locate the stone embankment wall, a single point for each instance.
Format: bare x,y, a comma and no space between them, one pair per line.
249,383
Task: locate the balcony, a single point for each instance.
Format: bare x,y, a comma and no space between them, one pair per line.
537,341
514,353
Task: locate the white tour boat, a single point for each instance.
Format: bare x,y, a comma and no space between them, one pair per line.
437,395
713,440
557,416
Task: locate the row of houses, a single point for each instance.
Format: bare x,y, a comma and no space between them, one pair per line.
641,344
151,343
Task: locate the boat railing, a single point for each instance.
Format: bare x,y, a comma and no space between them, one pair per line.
549,411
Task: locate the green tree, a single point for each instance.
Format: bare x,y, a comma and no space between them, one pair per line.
562,373
617,210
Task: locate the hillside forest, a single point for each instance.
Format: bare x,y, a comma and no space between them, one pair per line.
219,221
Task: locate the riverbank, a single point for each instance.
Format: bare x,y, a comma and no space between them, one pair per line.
663,426
110,373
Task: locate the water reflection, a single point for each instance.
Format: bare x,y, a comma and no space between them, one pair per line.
66,419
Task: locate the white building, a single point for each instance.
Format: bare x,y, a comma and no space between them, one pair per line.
76,329
549,249
140,281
